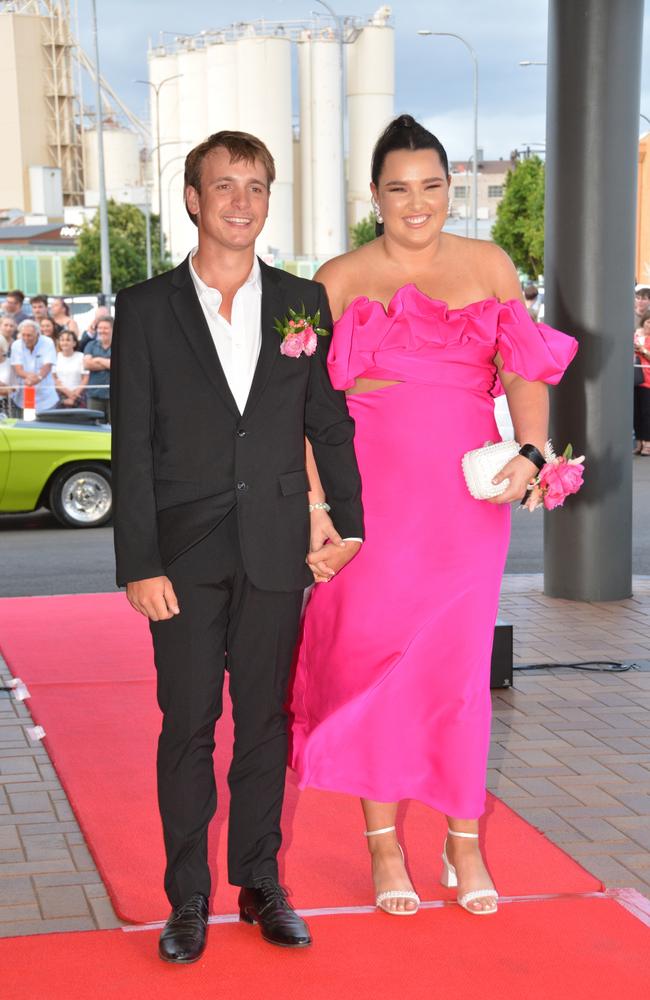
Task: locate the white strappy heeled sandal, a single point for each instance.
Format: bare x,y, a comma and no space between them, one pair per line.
449,879
383,897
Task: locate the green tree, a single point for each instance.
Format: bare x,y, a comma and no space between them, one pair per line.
127,242
519,226
363,232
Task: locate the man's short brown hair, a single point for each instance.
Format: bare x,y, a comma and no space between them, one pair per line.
240,145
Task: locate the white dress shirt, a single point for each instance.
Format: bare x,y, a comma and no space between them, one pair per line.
238,343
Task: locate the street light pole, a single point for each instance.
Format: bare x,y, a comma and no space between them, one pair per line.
104,244
339,29
169,201
451,34
147,219
156,87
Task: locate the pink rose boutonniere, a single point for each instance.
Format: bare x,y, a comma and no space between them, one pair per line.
299,333
557,479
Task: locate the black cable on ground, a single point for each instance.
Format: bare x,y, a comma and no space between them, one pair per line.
599,666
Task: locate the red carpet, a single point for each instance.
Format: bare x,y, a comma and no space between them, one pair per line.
582,949
87,662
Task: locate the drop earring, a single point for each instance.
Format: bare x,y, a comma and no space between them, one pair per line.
378,216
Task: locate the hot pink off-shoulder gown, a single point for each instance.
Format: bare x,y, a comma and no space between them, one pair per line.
391,696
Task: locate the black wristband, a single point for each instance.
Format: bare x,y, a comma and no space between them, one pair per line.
533,455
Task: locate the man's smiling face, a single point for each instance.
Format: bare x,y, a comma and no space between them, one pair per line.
233,202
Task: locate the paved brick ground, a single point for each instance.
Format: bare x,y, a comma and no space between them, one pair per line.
570,753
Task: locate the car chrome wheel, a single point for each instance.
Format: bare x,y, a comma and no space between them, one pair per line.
84,498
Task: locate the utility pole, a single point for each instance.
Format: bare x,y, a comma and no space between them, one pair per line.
103,208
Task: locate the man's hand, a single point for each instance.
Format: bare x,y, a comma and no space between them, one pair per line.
326,562
154,598
519,471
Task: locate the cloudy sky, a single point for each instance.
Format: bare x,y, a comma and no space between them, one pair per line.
433,75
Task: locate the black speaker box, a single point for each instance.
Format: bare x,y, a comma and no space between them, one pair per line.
501,672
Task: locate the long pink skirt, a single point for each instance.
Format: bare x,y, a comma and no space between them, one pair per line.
391,696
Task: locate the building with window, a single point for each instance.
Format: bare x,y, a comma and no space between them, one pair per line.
491,185
33,257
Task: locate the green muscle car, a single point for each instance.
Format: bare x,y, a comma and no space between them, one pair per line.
62,461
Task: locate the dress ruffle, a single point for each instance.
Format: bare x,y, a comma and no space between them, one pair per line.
535,351
404,342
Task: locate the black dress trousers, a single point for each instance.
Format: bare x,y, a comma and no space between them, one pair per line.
224,623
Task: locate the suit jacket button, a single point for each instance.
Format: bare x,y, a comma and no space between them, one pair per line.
241,433
241,487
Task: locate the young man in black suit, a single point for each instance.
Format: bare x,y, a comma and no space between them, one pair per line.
212,525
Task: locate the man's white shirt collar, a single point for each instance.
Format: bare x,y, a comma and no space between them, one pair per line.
213,294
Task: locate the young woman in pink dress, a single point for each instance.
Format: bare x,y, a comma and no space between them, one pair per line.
391,697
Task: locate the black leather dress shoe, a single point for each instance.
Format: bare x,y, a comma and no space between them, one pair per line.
266,904
183,938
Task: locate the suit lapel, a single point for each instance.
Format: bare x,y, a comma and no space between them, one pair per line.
187,309
273,307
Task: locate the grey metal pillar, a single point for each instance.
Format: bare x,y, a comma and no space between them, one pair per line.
594,77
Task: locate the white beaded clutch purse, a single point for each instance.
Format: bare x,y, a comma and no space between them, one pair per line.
481,466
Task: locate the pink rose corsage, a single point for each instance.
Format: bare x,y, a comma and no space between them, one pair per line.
557,479
299,333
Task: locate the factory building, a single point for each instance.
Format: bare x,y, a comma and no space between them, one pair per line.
285,82
39,113
241,78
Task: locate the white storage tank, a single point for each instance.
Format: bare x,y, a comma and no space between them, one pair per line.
265,109
221,86
192,93
320,121
371,93
193,128
121,159
174,144
306,191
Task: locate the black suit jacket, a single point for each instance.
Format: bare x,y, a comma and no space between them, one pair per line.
183,455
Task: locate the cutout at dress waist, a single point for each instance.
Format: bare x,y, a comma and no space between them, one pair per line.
370,385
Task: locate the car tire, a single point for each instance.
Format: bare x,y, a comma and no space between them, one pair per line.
81,495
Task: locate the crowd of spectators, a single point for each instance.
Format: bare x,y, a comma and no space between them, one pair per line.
642,370
41,346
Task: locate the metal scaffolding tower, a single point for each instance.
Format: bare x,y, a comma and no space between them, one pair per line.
63,126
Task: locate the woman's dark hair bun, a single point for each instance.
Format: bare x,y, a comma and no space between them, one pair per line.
404,121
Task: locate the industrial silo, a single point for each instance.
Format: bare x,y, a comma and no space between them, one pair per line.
221,85
320,138
192,91
121,160
306,192
193,128
371,91
264,108
174,144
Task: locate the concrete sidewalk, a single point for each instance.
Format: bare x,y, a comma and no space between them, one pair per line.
570,753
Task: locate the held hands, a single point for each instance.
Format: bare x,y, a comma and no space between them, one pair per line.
154,598
328,553
520,471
